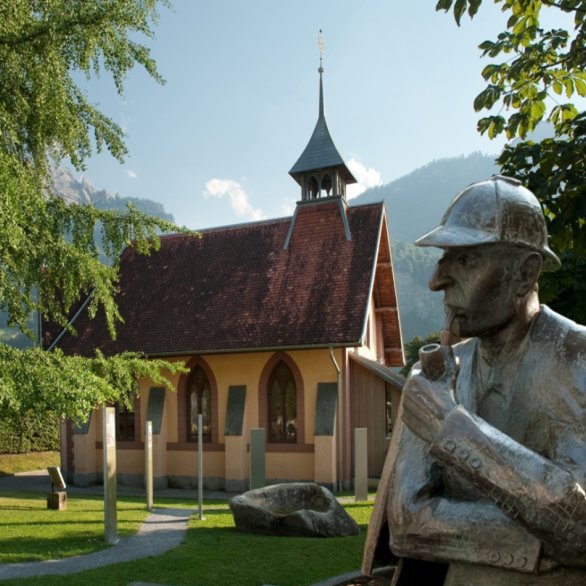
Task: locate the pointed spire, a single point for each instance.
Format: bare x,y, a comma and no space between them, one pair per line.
320,168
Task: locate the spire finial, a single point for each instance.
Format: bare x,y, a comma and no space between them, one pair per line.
320,44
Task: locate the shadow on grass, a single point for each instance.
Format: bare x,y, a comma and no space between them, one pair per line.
43,548
31,532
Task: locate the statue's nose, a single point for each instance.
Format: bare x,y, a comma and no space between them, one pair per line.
440,279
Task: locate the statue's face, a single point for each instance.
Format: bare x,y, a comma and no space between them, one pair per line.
480,288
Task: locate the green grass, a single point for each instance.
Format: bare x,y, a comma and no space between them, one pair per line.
213,552
13,463
31,532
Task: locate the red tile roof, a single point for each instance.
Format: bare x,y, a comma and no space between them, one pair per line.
238,288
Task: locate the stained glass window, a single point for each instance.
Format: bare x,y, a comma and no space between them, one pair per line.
199,400
282,405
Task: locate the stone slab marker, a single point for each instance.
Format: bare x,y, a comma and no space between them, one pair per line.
57,498
360,464
257,458
109,459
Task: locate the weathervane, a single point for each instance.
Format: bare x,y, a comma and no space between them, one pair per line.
320,44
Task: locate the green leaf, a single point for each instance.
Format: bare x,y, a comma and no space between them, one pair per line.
580,86
483,125
486,46
489,71
459,10
444,5
492,125
487,98
537,112
555,115
520,27
473,7
569,112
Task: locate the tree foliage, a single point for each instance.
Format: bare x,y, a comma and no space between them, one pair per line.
412,350
71,386
48,258
541,76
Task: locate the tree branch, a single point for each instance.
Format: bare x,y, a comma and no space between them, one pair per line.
63,29
563,7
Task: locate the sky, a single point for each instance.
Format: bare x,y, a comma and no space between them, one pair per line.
214,144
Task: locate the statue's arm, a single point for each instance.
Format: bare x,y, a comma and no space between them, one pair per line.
543,496
425,524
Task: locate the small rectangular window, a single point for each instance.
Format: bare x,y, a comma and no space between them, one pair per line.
125,426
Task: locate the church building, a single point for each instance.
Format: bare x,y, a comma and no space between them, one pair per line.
290,325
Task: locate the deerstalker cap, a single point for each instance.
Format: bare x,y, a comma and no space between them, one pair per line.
498,209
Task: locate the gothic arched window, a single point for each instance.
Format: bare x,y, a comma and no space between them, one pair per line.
199,400
282,405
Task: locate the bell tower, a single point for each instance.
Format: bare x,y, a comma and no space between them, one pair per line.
320,170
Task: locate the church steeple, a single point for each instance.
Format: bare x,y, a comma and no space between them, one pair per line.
320,170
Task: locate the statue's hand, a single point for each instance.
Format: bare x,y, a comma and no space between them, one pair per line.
426,403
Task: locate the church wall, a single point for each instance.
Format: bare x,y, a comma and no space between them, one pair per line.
226,457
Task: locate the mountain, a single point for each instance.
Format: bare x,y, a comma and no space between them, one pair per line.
83,192
415,204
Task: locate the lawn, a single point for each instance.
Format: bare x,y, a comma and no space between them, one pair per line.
31,532
14,463
213,552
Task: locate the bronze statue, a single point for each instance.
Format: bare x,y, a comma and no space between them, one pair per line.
485,479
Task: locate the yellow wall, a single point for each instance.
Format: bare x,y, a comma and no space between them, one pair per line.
246,369
373,343
289,466
184,463
315,366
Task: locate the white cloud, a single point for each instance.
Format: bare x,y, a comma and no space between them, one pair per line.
131,174
365,177
236,195
288,206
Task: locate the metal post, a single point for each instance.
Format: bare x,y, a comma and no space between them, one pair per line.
200,466
148,463
109,465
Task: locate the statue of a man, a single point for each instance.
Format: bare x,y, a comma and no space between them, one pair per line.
486,472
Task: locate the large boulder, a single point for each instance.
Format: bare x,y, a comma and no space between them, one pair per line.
302,509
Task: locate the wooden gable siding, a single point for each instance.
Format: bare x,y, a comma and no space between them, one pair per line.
385,300
368,410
